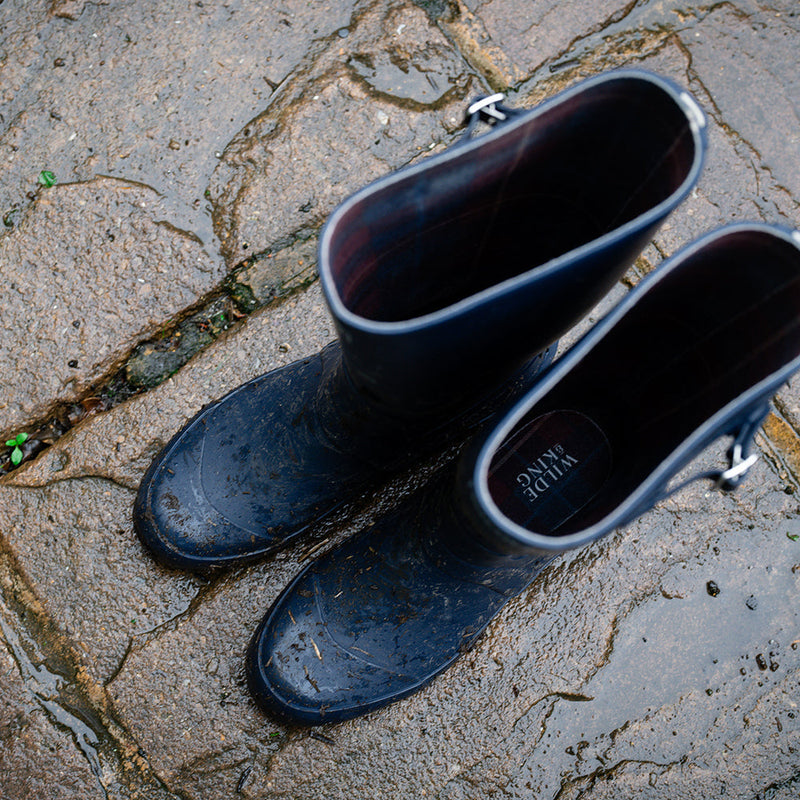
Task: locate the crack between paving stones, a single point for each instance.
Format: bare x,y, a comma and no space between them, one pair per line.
88,717
569,697
139,641
587,782
634,601
464,775
613,19
773,453
567,66
223,290
781,407
777,786
613,44
296,85
42,685
114,369
87,476
597,30
572,697
89,721
214,581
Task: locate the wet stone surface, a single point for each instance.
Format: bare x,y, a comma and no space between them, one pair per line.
743,70
662,662
275,274
510,40
390,90
146,93
36,758
89,270
74,545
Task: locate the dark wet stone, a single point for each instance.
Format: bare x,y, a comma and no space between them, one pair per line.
155,361
75,545
96,252
272,275
137,77
38,759
370,107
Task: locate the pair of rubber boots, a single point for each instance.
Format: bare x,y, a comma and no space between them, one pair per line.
450,283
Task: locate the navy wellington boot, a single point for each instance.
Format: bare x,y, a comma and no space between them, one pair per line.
449,283
692,354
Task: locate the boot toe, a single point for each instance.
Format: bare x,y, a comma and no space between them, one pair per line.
241,478
299,667
173,515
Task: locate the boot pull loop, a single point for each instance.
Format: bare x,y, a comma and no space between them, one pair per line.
487,109
730,478
739,458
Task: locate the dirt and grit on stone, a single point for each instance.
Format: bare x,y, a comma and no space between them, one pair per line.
197,149
88,271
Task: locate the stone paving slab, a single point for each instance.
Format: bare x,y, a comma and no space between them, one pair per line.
744,70
145,92
72,542
75,305
391,88
37,760
510,39
134,92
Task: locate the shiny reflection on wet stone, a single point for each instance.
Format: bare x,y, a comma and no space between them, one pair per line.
688,669
409,84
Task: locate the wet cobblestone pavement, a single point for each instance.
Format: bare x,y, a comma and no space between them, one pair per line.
198,148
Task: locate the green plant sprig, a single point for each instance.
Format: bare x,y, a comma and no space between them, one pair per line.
16,453
46,178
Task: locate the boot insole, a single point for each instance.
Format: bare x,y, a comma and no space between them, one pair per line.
549,469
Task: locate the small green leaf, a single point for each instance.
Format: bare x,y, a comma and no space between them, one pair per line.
22,438
47,178
16,456
793,536
11,443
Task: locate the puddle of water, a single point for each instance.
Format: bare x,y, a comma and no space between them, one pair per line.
404,82
45,688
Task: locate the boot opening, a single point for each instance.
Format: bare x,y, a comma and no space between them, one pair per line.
728,318
572,173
